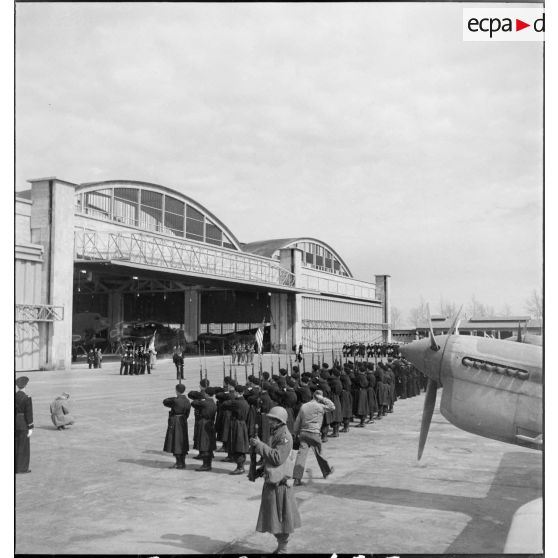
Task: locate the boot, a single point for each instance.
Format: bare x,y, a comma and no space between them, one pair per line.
198,457
282,541
206,465
238,471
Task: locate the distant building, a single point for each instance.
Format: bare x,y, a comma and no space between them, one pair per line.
498,327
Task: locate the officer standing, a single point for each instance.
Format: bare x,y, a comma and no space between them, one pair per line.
23,426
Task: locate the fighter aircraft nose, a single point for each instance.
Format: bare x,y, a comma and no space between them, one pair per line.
421,355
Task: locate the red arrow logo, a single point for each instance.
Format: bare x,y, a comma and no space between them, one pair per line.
519,25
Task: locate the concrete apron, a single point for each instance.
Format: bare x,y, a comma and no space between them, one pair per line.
103,485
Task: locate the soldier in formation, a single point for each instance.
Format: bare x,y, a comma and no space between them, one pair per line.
231,414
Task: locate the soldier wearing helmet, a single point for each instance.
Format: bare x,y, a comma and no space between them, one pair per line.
278,512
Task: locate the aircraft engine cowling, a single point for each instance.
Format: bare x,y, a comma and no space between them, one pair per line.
490,394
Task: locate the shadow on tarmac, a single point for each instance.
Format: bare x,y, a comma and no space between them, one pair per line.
518,480
207,545
190,465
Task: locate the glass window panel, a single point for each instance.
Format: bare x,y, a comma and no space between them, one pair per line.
193,213
229,245
152,199
328,263
336,265
151,218
309,258
213,234
125,212
129,194
195,228
98,203
172,205
319,261
174,222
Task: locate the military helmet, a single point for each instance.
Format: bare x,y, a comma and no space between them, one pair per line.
278,413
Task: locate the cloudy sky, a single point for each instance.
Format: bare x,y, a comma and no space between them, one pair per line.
373,127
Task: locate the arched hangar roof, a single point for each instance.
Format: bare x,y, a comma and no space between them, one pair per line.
90,187
312,248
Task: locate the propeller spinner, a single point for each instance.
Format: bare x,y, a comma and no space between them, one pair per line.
426,355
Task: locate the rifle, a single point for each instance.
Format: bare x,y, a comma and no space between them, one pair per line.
252,473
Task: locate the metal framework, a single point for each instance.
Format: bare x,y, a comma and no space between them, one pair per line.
178,255
324,324
38,313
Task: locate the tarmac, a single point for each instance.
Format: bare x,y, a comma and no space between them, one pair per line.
103,485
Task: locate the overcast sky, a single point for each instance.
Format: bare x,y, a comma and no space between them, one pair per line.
373,127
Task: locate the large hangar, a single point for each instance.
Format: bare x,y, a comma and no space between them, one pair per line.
120,251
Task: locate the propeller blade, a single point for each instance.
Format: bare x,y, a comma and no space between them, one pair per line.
453,326
428,410
433,344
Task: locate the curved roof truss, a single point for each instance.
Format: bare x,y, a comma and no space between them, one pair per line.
153,207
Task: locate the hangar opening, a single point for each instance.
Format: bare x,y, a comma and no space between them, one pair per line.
97,260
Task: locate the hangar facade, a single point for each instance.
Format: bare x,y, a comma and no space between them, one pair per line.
124,250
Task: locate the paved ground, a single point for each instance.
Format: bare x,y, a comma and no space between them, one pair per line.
103,486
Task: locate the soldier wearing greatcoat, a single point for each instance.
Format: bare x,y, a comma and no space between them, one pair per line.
371,391
176,439
238,442
278,512
206,408
362,409
346,400
23,426
336,388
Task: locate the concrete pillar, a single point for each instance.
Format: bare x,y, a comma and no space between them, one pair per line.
383,293
291,260
52,226
115,308
192,314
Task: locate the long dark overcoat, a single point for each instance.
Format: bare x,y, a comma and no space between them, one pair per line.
238,435
371,391
336,390
23,423
206,409
278,511
362,408
176,439
346,397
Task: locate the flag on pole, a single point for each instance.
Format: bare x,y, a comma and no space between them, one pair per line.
152,342
259,340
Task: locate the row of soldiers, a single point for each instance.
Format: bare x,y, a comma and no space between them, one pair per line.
233,413
371,350
95,358
242,353
136,361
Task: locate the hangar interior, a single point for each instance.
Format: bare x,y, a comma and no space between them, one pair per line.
92,257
